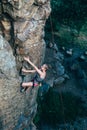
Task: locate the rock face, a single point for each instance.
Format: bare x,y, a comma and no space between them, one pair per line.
23,27
21,33
7,60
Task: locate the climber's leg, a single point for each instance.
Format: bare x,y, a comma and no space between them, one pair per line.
28,84
25,86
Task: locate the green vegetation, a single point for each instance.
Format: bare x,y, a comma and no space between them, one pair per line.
66,12
69,12
56,107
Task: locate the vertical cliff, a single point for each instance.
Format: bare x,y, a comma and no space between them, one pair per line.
21,33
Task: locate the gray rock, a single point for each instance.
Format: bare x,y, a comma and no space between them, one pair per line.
7,60
66,76
82,57
69,52
59,80
40,2
63,48
59,68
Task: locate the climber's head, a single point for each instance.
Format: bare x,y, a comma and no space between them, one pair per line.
44,67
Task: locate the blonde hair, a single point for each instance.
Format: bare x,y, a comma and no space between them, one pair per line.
46,66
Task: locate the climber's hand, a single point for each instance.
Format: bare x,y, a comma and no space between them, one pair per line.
23,70
27,59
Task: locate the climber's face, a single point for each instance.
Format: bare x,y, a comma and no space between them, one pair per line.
44,67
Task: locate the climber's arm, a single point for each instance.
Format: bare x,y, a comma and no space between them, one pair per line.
32,64
28,71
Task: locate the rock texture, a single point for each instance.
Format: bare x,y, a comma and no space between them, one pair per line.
13,103
7,60
21,33
24,27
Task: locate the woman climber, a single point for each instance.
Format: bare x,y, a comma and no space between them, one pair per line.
38,78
